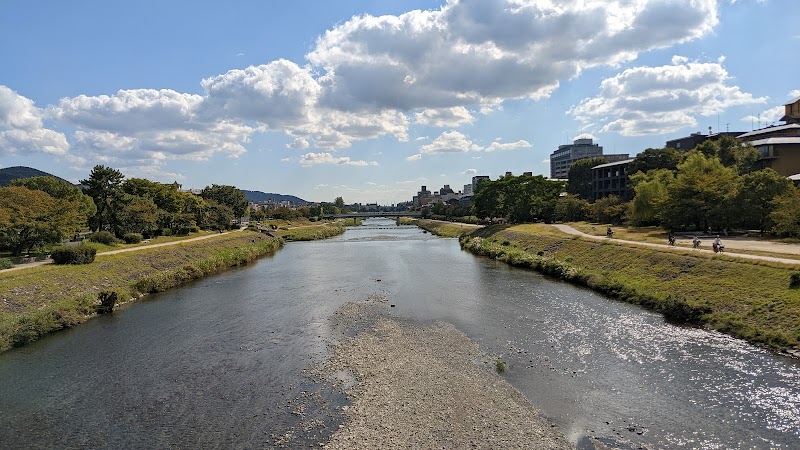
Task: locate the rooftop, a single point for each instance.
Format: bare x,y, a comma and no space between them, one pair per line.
618,163
769,130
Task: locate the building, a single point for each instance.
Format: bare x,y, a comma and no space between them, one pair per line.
611,179
476,180
778,147
693,140
563,158
792,112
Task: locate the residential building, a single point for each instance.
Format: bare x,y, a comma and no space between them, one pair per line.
792,112
611,179
693,140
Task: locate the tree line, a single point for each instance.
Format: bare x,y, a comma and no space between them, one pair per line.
717,185
40,211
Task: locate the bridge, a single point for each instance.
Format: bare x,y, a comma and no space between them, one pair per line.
362,215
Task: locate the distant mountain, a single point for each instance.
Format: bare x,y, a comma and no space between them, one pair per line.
12,173
258,196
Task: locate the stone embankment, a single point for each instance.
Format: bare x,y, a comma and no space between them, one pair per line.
414,386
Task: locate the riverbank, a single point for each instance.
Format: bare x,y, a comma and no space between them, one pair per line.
311,231
440,227
746,299
424,387
48,298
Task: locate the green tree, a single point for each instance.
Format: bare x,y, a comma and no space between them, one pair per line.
609,209
731,153
32,218
655,158
104,187
785,214
651,194
701,195
218,216
580,177
137,215
339,203
755,194
229,196
571,208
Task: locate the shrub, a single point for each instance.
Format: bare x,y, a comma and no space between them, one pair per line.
107,301
166,232
794,280
5,263
132,238
79,254
103,237
500,365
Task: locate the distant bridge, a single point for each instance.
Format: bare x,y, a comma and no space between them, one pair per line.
373,214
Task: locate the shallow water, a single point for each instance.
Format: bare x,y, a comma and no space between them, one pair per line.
219,362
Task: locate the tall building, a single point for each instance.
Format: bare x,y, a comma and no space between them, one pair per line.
477,180
561,160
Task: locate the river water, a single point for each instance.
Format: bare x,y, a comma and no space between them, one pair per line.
221,362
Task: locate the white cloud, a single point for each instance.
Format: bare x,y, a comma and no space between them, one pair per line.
445,117
584,136
450,142
766,117
658,100
311,159
22,128
415,157
498,146
470,172
455,56
298,143
286,159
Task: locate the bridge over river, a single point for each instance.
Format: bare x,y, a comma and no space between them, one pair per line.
373,214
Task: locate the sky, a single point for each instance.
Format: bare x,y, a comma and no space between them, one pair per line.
369,100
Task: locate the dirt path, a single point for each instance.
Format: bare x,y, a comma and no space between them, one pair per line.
730,243
124,250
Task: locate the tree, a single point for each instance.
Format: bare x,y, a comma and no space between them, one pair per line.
701,194
570,208
339,203
60,189
580,177
104,187
518,199
229,196
609,209
651,194
32,218
655,158
755,194
218,216
785,215
137,215
731,153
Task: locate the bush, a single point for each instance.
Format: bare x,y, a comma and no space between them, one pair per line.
107,301
166,232
132,238
794,280
5,263
79,254
103,237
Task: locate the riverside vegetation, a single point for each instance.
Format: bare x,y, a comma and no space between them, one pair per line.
40,300
753,301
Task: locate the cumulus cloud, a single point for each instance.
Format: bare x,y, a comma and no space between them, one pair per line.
657,100
22,129
445,117
584,136
773,114
499,146
455,56
311,159
414,157
470,172
450,142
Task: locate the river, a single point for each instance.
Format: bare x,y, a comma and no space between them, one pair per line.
221,362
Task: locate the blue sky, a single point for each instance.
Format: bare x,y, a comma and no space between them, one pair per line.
369,100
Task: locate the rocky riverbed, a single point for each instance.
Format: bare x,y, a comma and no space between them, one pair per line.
415,386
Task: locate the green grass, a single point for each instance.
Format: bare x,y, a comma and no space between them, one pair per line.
753,301
439,228
311,232
43,299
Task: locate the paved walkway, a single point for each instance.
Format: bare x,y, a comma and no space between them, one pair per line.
123,250
730,243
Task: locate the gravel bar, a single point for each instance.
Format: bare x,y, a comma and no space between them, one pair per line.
414,386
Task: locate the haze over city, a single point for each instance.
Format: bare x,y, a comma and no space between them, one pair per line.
369,100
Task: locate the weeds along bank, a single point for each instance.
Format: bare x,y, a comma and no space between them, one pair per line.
440,228
312,232
40,300
752,301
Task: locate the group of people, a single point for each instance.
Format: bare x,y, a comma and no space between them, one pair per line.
716,244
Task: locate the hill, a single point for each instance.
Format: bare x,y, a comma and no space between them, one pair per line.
258,196
12,173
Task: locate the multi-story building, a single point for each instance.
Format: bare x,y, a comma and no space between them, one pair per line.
778,147
477,180
563,158
611,179
693,140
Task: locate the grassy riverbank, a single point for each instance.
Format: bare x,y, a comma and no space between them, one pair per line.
749,300
40,300
440,228
305,230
